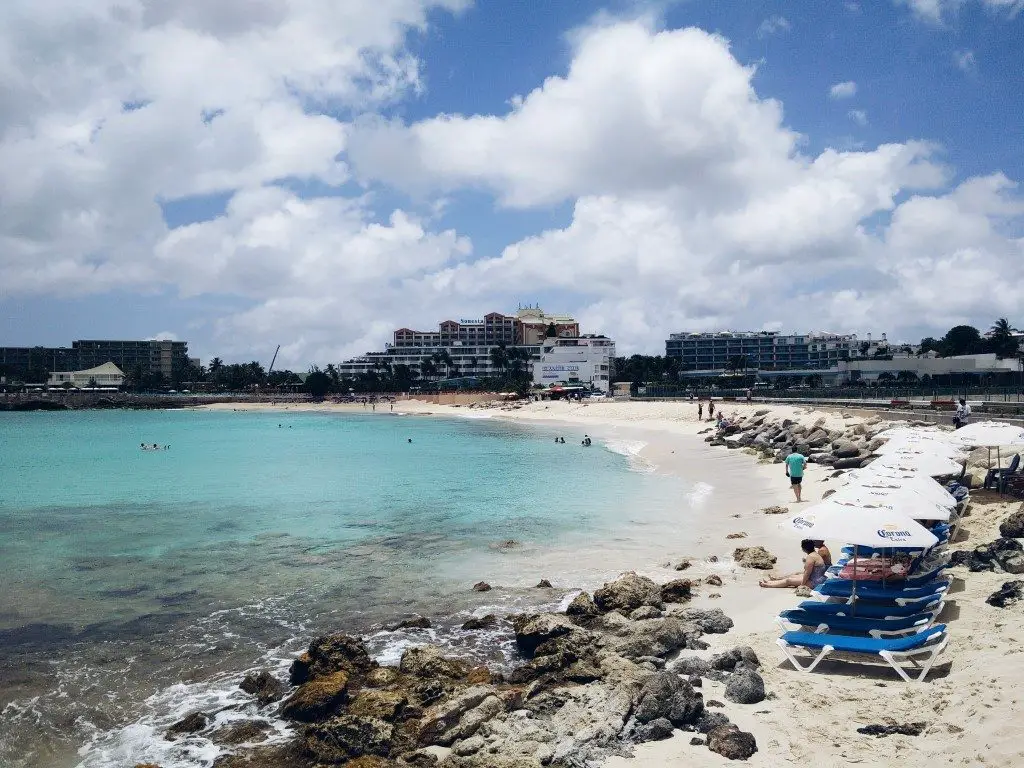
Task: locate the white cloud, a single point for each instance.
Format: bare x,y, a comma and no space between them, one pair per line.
936,11
692,204
859,116
773,25
964,60
844,90
708,232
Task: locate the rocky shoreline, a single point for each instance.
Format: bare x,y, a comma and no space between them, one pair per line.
617,669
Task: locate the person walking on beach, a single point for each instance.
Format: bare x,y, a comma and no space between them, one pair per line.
711,410
962,414
795,464
700,410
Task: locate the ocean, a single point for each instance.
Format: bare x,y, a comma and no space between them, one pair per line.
137,586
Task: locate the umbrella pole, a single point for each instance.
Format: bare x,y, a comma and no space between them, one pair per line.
999,465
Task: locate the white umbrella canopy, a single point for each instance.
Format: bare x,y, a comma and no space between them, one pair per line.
871,477
916,447
915,433
906,501
876,527
924,463
989,434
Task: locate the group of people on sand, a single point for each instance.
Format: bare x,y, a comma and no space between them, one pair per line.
817,560
154,447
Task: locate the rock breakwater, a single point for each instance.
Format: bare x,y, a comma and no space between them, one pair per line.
615,670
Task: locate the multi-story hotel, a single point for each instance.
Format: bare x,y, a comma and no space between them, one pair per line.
463,348
764,350
168,358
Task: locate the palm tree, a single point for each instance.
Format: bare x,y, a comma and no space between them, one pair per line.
215,369
443,358
499,357
428,369
1001,338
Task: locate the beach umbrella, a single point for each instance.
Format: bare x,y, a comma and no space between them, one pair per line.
871,477
924,463
989,434
876,527
906,501
916,447
915,433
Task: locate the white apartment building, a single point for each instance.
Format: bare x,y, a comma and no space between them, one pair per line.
586,360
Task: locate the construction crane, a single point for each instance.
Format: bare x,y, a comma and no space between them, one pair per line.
273,360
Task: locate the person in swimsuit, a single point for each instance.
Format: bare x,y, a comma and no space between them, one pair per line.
825,552
811,576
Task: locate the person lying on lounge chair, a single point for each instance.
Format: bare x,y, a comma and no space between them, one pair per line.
811,576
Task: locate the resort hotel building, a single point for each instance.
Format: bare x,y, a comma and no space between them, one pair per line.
464,349
169,359
765,350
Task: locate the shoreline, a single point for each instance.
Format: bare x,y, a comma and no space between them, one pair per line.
963,705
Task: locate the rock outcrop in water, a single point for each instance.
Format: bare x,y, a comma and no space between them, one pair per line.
595,681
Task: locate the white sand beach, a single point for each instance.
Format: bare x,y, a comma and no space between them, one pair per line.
971,702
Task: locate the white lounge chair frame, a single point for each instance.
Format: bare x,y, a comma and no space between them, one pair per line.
931,651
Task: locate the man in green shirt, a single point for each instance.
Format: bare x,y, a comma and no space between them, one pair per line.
795,464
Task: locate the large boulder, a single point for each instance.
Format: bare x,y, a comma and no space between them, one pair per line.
657,637
347,737
754,557
676,591
316,699
713,621
264,686
732,743
741,655
582,605
819,438
531,630
190,724
627,593
745,686
1013,526
429,662
330,654
666,695
445,716
845,449
382,705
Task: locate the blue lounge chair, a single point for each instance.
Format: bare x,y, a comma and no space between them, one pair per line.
868,591
875,627
929,643
872,610
996,478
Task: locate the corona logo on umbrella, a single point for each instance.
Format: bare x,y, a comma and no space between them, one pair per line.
803,523
894,533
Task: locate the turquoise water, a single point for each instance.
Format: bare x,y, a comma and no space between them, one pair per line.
126,571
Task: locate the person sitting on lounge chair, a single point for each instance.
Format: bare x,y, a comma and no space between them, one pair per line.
811,576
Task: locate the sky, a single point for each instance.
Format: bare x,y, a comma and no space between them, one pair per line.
315,174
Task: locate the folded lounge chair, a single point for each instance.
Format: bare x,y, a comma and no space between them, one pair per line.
872,610
928,643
